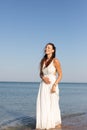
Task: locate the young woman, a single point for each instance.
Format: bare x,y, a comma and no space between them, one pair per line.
47,107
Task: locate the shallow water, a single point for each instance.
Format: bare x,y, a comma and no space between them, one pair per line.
18,101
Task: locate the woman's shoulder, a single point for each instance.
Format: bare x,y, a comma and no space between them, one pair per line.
56,61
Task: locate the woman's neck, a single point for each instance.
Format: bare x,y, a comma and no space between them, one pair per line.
49,56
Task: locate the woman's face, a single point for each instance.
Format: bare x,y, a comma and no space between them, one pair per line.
49,49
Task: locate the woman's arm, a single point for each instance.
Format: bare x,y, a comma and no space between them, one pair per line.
59,72
58,69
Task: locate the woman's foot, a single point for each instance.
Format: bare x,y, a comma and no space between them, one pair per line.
58,126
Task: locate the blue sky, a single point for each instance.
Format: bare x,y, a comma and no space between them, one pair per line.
25,28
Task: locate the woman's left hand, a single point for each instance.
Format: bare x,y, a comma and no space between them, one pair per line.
53,89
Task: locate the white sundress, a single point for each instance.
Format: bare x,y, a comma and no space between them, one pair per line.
47,105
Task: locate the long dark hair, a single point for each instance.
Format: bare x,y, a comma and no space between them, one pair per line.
45,57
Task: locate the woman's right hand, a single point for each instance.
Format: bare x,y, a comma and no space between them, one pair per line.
46,80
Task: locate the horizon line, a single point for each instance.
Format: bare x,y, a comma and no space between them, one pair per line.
38,82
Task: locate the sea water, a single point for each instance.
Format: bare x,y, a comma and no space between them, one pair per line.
18,103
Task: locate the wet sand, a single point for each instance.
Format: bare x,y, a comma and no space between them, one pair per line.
72,122
68,127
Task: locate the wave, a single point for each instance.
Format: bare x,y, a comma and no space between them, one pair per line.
74,115
20,121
